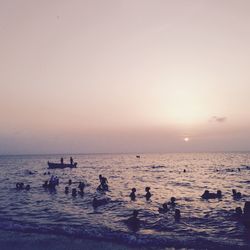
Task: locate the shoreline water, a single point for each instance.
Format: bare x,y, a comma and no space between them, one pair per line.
13,240
73,222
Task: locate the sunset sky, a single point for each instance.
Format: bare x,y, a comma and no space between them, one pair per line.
124,76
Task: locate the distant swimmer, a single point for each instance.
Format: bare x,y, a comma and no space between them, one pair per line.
172,201
71,161
62,160
81,186
138,156
19,185
207,195
236,195
103,183
164,208
133,222
27,187
148,194
66,190
132,194
70,182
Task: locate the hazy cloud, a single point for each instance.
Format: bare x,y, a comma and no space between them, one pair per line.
219,119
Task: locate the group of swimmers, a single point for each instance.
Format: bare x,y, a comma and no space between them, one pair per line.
20,186
218,195
243,215
52,183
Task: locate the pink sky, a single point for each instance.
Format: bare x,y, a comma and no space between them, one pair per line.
124,76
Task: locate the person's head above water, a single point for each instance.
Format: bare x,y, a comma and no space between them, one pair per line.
219,194
133,190
172,199
147,189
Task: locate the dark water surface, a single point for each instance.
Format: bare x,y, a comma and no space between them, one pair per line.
203,224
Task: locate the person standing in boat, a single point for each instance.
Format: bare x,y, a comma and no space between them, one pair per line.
71,161
61,160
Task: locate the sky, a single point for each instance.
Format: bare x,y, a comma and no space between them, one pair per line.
118,76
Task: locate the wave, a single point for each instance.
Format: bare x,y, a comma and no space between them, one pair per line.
127,238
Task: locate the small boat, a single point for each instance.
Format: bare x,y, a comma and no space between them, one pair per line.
53,165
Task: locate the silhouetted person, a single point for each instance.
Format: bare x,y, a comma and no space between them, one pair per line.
184,170
132,194
207,195
148,194
133,222
236,195
103,183
61,160
66,190
81,187
177,214
218,194
27,187
71,161
19,185
172,201
70,182
164,208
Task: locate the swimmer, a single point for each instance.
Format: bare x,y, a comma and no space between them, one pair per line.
66,190
132,195
148,194
219,194
236,195
27,187
172,201
164,208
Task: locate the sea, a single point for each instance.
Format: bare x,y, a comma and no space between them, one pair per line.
204,224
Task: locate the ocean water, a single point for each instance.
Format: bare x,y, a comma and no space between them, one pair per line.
203,224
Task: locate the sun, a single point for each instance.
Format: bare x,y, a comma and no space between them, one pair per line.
186,139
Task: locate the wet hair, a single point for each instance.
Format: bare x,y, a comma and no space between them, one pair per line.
234,191
133,190
147,189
